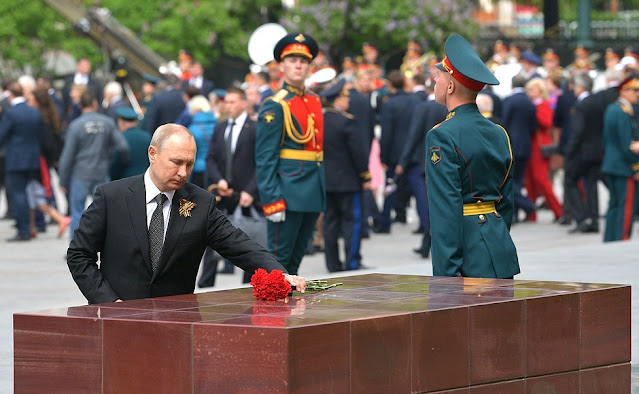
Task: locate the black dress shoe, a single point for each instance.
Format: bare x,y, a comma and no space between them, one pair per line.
422,252
18,238
380,230
419,230
399,219
564,221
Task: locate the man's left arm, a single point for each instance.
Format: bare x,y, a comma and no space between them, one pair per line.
82,254
234,245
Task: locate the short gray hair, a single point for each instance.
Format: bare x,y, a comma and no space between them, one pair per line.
165,131
583,80
484,103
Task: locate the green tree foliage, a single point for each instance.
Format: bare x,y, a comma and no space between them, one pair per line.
29,28
207,28
343,26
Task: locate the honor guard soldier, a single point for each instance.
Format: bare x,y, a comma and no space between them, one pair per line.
289,154
469,159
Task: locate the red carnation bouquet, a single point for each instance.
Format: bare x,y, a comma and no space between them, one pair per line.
270,286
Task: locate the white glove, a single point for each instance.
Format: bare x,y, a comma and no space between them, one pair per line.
277,217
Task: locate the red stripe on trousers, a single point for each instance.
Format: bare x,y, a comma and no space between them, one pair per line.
627,210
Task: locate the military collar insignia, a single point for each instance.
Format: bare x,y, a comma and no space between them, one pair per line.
294,90
300,38
625,108
435,154
186,207
269,117
450,115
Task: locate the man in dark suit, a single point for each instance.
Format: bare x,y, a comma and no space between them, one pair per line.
21,131
583,155
167,105
396,116
263,81
521,122
230,166
141,254
360,107
346,161
82,76
412,163
197,80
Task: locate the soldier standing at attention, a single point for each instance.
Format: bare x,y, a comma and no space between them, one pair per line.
289,154
469,159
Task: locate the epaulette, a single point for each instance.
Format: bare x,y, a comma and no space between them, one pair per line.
279,96
448,117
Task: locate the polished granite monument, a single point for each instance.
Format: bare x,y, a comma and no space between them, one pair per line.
376,333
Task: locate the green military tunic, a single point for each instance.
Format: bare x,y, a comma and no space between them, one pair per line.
619,165
290,170
470,196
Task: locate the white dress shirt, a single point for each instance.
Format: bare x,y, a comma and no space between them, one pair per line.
237,128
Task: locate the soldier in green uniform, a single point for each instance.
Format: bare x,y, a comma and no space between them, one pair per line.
620,162
469,159
289,155
138,140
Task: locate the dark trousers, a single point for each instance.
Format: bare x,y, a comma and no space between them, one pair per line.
209,268
370,210
521,201
389,203
17,186
589,209
623,199
417,184
287,240
342,218
402,197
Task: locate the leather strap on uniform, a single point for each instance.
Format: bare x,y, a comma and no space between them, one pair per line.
289,125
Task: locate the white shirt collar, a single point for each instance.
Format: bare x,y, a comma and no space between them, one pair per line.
583,95
18,100
151,191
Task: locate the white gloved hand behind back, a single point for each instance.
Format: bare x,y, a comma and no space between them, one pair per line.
277,217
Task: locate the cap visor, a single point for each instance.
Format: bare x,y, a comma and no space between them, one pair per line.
440,66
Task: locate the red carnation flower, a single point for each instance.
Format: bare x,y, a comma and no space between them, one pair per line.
269,286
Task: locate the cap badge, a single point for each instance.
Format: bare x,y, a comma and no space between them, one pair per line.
300,38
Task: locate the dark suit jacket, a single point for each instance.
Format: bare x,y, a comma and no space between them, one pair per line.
426,115
21,131
243,171
562,118
345,154
585,144
360,108
396,116
115,226
166,108
521,122
207,87
93,86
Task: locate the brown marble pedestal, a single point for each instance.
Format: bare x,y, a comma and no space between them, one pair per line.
375,334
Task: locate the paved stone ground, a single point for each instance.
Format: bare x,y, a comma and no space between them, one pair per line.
34,275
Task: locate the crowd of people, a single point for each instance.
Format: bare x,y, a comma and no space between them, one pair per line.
375,123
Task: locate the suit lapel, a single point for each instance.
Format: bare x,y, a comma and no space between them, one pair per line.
173,233
136,203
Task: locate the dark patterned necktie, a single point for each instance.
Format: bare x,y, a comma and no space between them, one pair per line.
156,231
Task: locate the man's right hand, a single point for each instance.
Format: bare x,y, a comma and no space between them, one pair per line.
223,188
277,217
